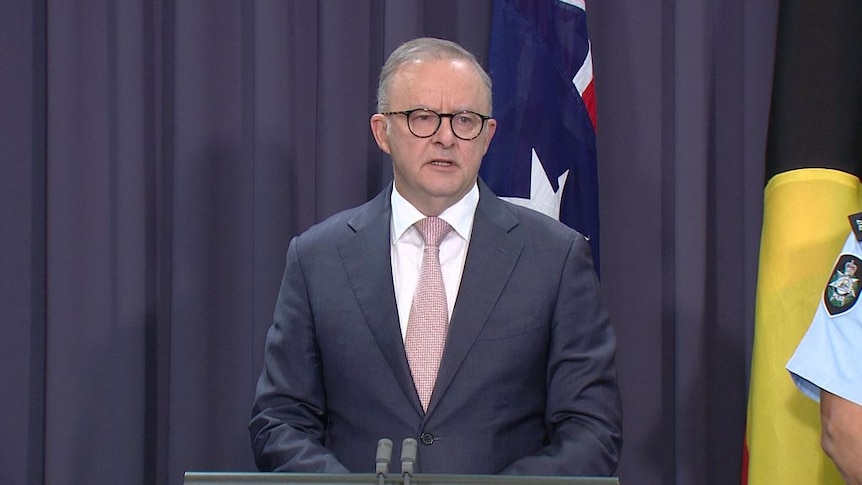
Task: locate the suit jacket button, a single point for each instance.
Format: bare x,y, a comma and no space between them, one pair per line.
427,439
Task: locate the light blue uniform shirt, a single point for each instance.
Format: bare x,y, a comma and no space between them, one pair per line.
830,354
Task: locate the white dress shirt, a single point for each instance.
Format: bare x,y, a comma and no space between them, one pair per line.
408,246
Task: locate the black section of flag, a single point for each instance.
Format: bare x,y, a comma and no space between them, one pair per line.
816,111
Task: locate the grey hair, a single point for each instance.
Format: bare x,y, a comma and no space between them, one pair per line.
424,49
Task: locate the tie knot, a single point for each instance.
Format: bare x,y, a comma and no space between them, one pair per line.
433,230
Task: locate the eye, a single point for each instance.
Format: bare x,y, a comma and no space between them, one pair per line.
423,117
465,119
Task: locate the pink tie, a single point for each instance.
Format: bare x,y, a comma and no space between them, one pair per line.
429,314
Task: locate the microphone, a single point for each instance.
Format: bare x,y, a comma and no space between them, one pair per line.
408,458
384,456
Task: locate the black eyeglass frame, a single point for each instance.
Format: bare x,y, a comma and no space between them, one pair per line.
440,117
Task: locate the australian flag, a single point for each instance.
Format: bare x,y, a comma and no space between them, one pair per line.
544,152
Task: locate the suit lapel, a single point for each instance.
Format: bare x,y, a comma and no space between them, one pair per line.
491,258
367,260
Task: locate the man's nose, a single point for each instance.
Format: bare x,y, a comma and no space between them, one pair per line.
445,135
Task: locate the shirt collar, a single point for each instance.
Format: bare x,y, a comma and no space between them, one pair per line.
459,216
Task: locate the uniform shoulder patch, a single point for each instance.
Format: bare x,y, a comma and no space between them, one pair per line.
842,292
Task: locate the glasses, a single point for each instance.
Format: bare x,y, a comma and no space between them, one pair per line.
423,123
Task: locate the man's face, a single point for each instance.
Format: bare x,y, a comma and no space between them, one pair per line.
434,173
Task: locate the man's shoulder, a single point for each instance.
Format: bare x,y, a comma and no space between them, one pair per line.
516,219
347,222
536,225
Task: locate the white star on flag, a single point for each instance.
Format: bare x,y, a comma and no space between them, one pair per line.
542,196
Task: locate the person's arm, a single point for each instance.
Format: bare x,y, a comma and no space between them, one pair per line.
289,415
583,411
842,435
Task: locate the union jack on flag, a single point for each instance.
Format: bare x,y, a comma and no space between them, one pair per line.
544,152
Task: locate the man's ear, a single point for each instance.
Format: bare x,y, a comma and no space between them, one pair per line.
491,128
380,132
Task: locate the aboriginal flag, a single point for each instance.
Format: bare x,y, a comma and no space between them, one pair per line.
813,162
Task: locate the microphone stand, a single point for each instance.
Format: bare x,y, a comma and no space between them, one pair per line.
384,456
408,458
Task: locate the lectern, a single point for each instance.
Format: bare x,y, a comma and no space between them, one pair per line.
210,478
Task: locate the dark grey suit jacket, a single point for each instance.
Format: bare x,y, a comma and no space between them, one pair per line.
526,385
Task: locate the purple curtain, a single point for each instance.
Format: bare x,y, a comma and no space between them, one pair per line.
157,156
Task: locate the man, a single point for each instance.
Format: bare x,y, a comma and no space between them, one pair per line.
826,365
522,380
